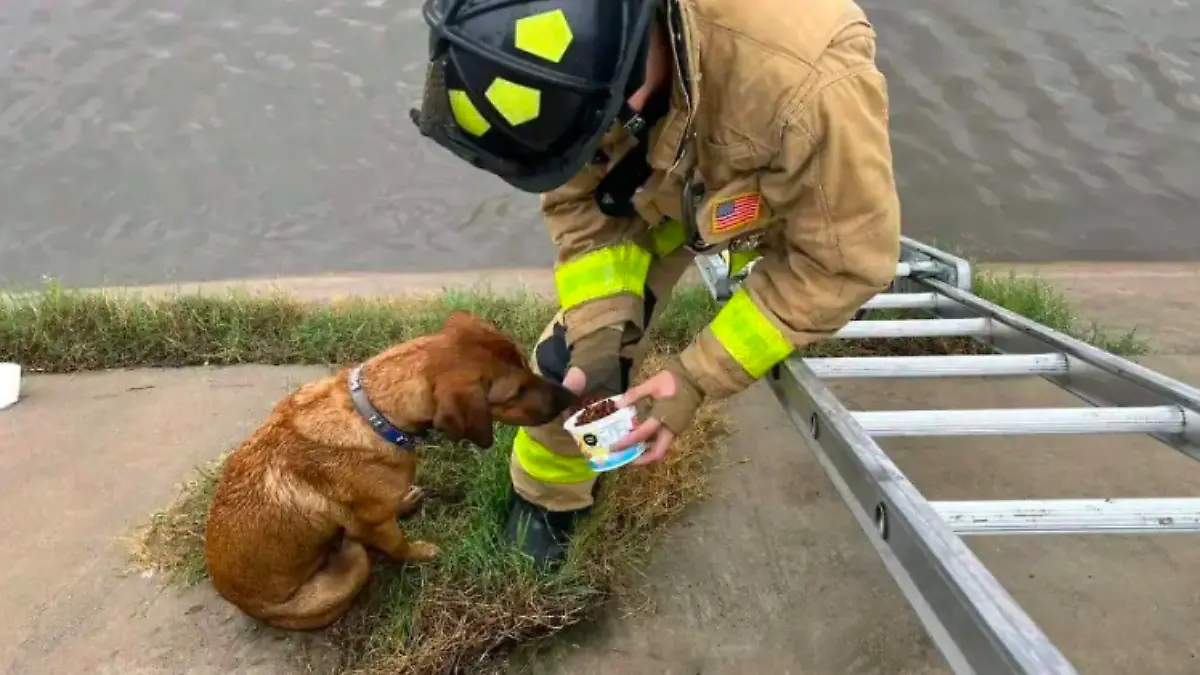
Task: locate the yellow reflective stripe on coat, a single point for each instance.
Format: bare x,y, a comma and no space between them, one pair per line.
602,273
749,337
667,237
546,466
739,259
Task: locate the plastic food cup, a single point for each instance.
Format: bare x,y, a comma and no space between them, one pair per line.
10,384
594,438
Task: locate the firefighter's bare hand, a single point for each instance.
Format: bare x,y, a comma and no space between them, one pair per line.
662,385
598,355
575,380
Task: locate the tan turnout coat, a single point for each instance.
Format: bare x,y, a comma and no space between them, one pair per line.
784,101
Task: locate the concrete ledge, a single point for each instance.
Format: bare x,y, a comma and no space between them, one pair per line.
1160,301
1100,270
341,286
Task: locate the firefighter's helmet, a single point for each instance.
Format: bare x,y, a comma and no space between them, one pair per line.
526,89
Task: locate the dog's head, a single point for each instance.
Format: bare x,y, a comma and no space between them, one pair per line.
480,375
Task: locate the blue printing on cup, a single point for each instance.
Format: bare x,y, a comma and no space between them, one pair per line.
616,460
602,436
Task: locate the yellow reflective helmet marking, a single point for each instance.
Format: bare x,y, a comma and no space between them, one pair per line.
516,103
546,35
466,114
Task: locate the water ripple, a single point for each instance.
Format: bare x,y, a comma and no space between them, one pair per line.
146,141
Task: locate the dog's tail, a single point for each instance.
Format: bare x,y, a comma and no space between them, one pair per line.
327,595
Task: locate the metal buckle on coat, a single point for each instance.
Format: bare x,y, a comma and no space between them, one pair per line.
733,254
636,124
693,196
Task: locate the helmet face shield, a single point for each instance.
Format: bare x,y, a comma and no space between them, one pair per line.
526,89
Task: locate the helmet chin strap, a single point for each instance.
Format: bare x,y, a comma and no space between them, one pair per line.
637,77
614,194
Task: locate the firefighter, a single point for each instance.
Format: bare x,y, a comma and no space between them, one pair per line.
655,130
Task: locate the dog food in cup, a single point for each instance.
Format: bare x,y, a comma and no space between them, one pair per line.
10,384
598,426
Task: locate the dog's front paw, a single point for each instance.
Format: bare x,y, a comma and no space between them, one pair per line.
412,501
421,551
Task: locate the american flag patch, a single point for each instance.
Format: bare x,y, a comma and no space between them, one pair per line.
732,213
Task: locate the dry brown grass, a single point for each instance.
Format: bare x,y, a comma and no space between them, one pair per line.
172,541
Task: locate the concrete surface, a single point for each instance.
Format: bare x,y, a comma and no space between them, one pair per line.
769,576
774,576
1160,301
539,281
83,460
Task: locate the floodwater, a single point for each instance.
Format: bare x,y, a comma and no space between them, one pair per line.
147,141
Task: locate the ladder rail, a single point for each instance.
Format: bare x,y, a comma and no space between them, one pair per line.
1167,419
895,367
1072,516
1178,392
971,617
974,622
1094,375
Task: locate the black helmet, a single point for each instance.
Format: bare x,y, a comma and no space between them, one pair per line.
526,89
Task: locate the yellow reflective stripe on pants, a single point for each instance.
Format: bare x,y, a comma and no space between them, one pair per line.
749,337
602,273
668,237
547,466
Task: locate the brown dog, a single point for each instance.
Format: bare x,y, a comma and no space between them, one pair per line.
332,468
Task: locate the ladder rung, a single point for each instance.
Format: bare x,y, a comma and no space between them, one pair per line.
903,301
1071,516
983,365
1017,421
915,328
906,269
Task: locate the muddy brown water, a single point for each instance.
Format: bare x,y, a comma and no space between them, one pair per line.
146,141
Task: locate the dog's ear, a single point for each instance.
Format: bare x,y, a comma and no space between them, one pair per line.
463,413
505,388
469,328
461,321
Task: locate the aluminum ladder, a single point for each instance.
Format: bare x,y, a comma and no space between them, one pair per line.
972,619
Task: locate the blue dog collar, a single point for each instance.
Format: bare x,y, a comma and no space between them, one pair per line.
384,428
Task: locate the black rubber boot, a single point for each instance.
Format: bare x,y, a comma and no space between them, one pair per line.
542,535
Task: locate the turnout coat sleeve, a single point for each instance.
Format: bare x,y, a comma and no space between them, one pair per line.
836,243
602,261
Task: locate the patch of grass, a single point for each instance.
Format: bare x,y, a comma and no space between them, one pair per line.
172,541
59,330
1038,299
464,611
63,330
461,613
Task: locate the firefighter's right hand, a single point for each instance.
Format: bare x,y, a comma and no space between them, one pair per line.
598,356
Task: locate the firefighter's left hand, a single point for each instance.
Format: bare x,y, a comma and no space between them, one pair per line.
676,400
